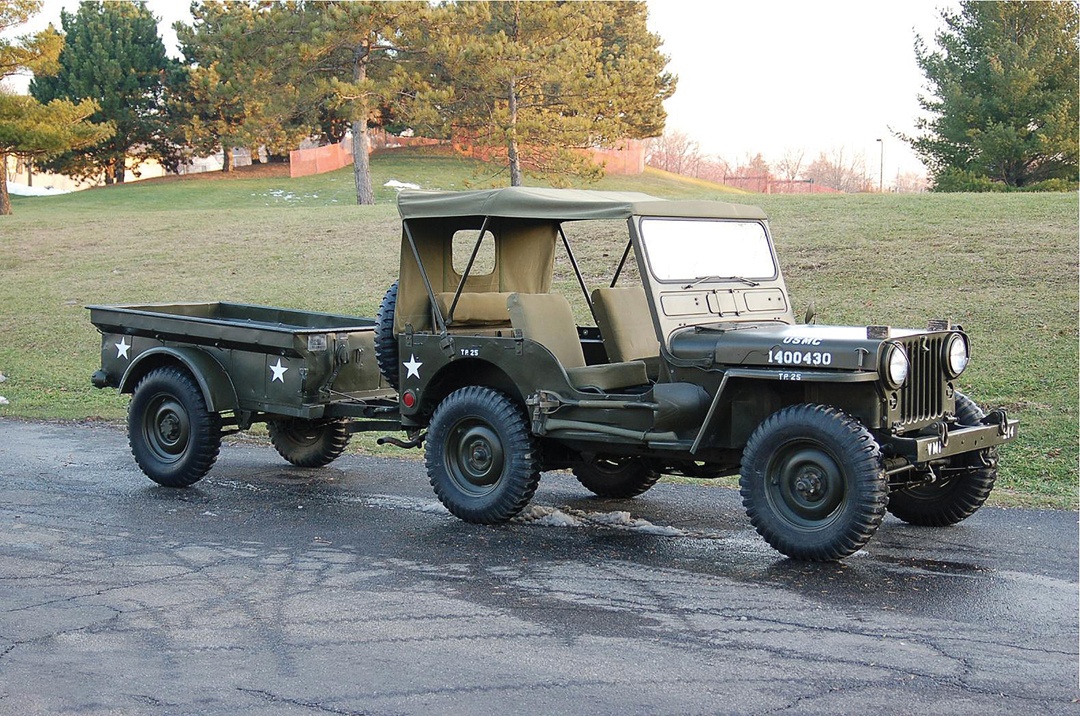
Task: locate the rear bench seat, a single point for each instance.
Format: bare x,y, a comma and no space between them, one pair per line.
481,313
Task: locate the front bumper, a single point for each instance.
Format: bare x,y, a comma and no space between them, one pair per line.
996,429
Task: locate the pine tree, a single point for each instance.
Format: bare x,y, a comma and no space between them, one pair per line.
533,82
1003,103
113,55
360,56
27,127
246,86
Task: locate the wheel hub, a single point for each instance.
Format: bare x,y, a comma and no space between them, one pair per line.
476,458
169,428
805,484
811,485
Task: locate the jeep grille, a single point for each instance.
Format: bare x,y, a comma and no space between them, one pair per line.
923,396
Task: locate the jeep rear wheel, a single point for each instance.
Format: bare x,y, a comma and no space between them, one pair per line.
309,443
965,482
617,477
481,458
812,483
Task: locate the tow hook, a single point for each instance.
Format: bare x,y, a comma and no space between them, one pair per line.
943,434
997,417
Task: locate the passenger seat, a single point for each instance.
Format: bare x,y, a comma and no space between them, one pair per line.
625,323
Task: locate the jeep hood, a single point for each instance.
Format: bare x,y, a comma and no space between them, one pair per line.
780,345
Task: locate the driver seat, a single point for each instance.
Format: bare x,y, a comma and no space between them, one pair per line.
547,319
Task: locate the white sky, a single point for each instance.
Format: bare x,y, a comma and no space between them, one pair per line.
766,75
818,75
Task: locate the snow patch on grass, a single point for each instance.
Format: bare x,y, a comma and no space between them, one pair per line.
23,190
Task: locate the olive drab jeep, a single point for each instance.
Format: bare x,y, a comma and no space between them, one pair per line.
692,364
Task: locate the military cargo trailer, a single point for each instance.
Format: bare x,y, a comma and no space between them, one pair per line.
197,371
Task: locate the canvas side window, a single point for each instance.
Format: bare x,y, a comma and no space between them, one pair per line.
463,244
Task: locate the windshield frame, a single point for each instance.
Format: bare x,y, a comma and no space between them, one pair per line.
707,272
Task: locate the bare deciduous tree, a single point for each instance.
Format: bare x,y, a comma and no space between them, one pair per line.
675,152
837,171
789,165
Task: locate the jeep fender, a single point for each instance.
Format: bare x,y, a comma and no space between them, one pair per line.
214,382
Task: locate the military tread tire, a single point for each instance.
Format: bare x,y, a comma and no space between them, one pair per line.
620,478
812,483
174,437
957,495
481,459
386,345
309,443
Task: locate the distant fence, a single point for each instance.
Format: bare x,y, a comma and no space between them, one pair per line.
317,160
764,184
626,158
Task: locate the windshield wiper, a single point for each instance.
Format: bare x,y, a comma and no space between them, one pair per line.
701,279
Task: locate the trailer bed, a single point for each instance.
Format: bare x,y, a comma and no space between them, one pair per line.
235,325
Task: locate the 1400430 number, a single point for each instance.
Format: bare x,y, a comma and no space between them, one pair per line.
788,357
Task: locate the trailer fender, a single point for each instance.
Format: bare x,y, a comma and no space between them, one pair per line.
214,382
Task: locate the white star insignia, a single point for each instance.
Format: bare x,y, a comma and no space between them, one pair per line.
278,371
122,348
413,366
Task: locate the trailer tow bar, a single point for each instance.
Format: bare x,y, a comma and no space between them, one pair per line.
414,442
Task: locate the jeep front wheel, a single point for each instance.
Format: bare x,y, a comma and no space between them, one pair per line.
618,477
481,458
812,483
965,482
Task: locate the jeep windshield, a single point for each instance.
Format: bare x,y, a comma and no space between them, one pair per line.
707,250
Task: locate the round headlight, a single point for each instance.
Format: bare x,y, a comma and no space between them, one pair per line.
956,355
896,365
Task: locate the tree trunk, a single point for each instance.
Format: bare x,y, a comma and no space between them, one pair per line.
361,142
5,200
365,193
512,147
226,159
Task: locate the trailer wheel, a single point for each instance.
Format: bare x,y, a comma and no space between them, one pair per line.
965,483
618,477
309,443
386,346
174,438
812,483
481,458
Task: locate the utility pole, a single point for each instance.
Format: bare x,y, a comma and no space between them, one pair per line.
881,167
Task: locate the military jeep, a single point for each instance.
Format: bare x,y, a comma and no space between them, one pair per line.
693,364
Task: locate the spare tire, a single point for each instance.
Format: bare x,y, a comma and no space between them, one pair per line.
386,346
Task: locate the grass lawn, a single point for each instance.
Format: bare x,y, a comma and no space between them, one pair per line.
1002,265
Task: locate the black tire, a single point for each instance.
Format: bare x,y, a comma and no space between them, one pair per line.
481,458
813,484
174,438
957,495
386,345
617,477
309,443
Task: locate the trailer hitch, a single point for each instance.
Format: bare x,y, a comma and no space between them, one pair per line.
414,441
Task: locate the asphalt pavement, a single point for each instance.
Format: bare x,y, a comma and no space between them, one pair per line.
269,589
